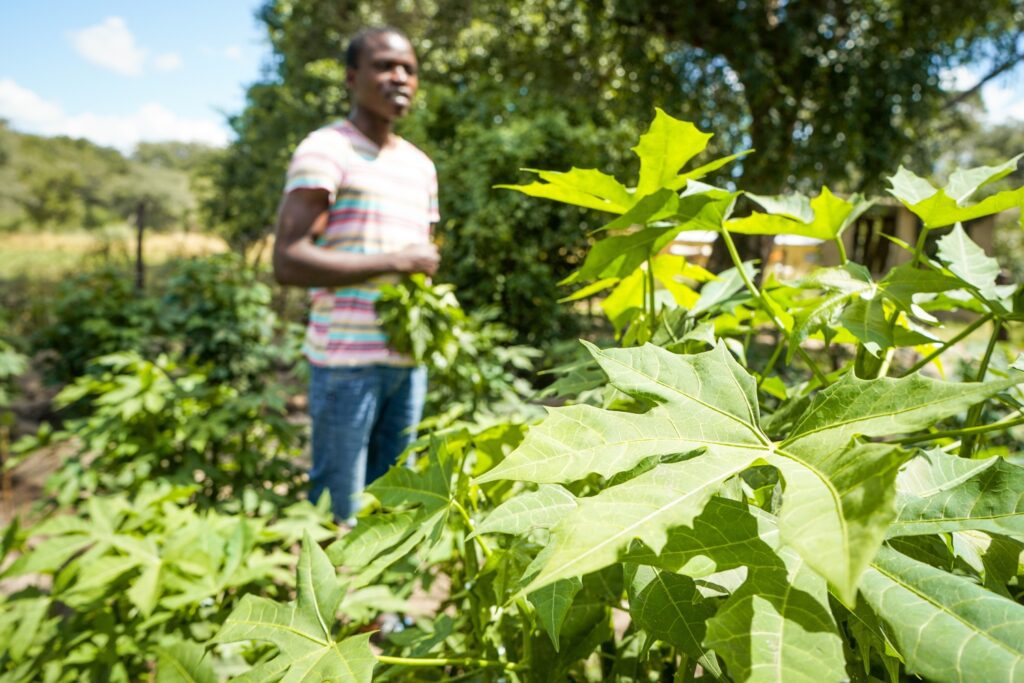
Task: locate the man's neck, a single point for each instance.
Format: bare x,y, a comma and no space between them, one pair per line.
374,127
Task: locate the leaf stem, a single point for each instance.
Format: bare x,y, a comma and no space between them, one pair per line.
752,288
650,292
484,547
444,661
842,250
770,364
919,247
974,414
946,345
966,431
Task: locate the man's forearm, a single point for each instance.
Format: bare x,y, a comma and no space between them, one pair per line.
307,265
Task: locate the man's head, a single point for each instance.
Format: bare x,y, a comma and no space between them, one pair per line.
382,72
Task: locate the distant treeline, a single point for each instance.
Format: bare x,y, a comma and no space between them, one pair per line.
63,183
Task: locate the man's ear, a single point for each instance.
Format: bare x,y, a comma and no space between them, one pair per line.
350,76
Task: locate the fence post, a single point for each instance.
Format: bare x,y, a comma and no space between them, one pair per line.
140,266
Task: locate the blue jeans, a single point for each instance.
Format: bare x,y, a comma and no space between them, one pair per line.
362,420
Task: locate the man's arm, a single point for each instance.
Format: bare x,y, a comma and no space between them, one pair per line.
298,261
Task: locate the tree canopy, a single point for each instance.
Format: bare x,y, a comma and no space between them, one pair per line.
829,92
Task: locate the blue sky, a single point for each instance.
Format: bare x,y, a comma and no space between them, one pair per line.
118,72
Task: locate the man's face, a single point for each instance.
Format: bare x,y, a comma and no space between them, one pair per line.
386,78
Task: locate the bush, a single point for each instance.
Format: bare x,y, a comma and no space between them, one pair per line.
94,314
126,581
144,419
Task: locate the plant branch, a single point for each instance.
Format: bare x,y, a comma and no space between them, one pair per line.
994,73
752,288
484,547
843,259
947,345
974,414
966,431
443,661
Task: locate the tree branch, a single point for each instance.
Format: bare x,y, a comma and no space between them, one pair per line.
999,70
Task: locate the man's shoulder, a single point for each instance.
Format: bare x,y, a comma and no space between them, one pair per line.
416,154
333,135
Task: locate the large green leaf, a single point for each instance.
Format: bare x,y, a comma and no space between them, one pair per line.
302,630
964,182
938,492
968,261
824,217
946,627
664,148
837,506
584,187
670,608
937,208
553,603
882,407
778,627
645,507
838,497
183,661
726,534
705,401
524,512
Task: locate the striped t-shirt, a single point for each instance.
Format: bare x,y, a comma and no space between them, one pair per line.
381,201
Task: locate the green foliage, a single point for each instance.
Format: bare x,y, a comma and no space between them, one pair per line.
220,312
94,314
302,631
762,523
12,364
145,419
62,182
214,311
130,579
471,366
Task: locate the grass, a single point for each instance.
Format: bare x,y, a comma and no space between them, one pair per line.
49,255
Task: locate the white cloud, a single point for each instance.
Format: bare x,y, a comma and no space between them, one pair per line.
169,61
111,45
1003,101
233,52
150,123
957,79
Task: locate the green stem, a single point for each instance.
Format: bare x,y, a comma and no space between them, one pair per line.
650,286
842,250
443,661
484,547
966,431
947,345
987,358
974,414
919,248
771,364
752,288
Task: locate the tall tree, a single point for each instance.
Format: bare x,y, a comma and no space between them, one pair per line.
835,91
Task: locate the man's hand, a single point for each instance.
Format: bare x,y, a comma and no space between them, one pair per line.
418,258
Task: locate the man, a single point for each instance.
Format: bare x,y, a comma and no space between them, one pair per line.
359,209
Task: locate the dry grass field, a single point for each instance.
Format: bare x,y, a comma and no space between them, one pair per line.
46,255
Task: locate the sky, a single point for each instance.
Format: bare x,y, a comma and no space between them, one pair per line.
119,72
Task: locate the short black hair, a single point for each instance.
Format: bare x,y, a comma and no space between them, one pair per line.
358,42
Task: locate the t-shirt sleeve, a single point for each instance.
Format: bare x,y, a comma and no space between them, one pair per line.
317,164
433,210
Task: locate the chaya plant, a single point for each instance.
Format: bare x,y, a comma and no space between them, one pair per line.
471,363
146,419
127,582
706,517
